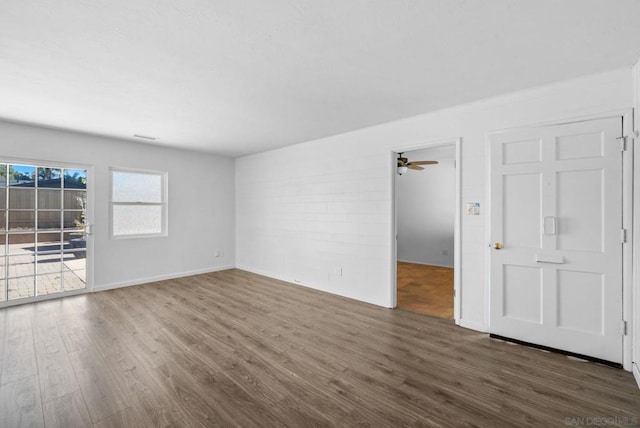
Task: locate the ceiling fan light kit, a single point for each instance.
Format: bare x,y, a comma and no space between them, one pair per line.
404,164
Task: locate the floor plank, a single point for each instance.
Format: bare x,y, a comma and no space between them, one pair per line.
20,404
152,401
99,389
67,411
19,359
125,418
236,349
3,330
57,378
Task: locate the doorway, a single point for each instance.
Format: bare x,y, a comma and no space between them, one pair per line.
43,231
557,254
426,202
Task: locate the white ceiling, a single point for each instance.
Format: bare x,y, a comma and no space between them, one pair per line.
235,77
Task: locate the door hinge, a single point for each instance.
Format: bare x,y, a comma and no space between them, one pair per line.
623,143
623,236
623,328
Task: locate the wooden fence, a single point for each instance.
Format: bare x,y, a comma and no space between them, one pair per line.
22,208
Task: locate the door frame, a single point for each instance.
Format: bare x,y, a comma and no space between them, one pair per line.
628,173
89,219
457,248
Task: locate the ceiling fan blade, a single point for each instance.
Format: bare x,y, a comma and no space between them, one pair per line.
416,167
423,162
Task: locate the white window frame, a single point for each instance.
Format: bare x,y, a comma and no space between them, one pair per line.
164,203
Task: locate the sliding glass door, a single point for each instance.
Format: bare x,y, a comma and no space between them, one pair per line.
43,217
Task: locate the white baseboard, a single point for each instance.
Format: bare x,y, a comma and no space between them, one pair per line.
471,325
270,275
146,280
426,264
302,284
636,373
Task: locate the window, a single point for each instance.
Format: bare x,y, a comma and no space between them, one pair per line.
138,203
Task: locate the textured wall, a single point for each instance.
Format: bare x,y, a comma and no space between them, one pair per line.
320,213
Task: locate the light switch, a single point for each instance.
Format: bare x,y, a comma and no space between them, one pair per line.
473,208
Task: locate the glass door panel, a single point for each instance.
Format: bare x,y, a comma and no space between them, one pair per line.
49,220
74,280
43,213
49,198
49,284
20,243
49,242
20,288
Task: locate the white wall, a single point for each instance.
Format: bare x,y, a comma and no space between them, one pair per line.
425,208
306,212
201,202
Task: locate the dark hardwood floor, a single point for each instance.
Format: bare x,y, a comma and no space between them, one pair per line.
236,349
424,288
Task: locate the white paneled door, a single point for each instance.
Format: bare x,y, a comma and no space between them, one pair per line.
556,225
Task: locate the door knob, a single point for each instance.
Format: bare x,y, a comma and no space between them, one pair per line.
497,245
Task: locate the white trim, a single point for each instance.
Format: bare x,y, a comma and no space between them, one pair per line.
52,296
633,323
487,231
457,233
627,248
149,279
565,121
457,246
45,163
302,284
634,316
139,236
272,275
473,326
426,264
393,231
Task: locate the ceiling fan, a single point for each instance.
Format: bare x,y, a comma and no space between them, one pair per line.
404,164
